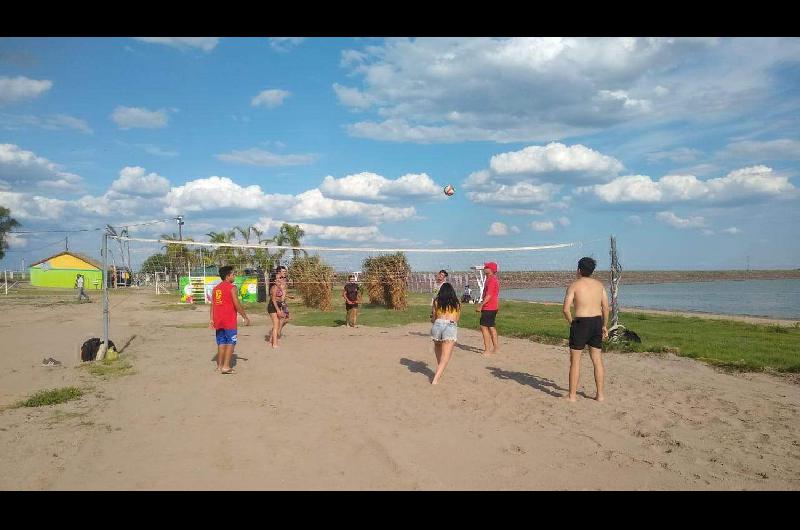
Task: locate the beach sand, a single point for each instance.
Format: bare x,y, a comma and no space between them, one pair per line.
353,409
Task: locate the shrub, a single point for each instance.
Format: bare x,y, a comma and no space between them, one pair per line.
313,278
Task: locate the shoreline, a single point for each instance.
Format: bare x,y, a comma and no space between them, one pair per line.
750,319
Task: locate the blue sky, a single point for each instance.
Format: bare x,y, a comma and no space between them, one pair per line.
686,149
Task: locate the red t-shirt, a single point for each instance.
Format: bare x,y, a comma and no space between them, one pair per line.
222,306
492,288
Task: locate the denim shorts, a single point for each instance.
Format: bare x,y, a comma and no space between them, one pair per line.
444,329
226,336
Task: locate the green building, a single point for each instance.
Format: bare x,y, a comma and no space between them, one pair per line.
62,269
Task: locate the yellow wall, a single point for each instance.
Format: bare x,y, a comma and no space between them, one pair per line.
66,261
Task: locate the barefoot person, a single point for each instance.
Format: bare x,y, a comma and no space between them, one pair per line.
283,284
589,325
224,306
446,312
488,309
275,295
352,297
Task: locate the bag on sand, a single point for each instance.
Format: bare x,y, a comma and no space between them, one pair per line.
90,348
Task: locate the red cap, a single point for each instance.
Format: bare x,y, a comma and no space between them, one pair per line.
491,265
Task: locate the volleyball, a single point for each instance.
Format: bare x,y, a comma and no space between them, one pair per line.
449,190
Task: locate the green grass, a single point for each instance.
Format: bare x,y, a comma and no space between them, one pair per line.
105,368
725,343
52,397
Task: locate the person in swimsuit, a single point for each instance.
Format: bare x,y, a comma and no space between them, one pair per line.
273,303
589,325
282,274
444,332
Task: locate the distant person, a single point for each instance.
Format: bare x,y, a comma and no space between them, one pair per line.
274,301
224,306
352,297
282,278
589,325
79,284
441,277
466,298
488,308
444,332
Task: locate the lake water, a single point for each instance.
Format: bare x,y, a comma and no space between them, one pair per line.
768,298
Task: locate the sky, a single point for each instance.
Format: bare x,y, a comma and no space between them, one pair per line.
685,149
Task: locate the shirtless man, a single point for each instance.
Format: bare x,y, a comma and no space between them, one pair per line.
588,326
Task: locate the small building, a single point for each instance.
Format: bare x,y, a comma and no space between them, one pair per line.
62,269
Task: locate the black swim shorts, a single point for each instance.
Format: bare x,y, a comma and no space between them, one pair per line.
348,307
271,307
487,317
586,330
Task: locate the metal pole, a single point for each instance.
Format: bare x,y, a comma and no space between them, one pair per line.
615,270
5,277
104,346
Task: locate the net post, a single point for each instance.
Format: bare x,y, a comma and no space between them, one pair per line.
101,352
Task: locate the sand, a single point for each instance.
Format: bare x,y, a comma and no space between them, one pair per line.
353,409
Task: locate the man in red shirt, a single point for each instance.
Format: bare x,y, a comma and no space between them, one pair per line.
224,306
489,308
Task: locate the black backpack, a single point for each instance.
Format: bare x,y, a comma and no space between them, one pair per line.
90,348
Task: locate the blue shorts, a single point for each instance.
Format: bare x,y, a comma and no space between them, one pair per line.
444,330
226,336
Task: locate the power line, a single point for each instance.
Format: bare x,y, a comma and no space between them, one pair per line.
87,229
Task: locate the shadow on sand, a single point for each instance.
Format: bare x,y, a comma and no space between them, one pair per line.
419,367
539,383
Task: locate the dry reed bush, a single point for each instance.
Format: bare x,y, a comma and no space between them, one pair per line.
386,280
313,278
372,281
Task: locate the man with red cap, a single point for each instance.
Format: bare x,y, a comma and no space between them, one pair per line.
488,308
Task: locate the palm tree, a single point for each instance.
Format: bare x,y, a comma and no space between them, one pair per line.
290,235
177,255
219,253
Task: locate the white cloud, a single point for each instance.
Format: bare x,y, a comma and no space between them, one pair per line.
16,89
679,222
538,89
24,169
312,204
285,44
680,155
352,97
259,157
25,206
131,117
435,242
157,151
557,160
352,234
732,230
53,122
368,186
216,193
520,211
514,229
563,221
543,226
521,194
497,229
270,98
133,181
782,149
743,184
635,219
204,43
16,241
